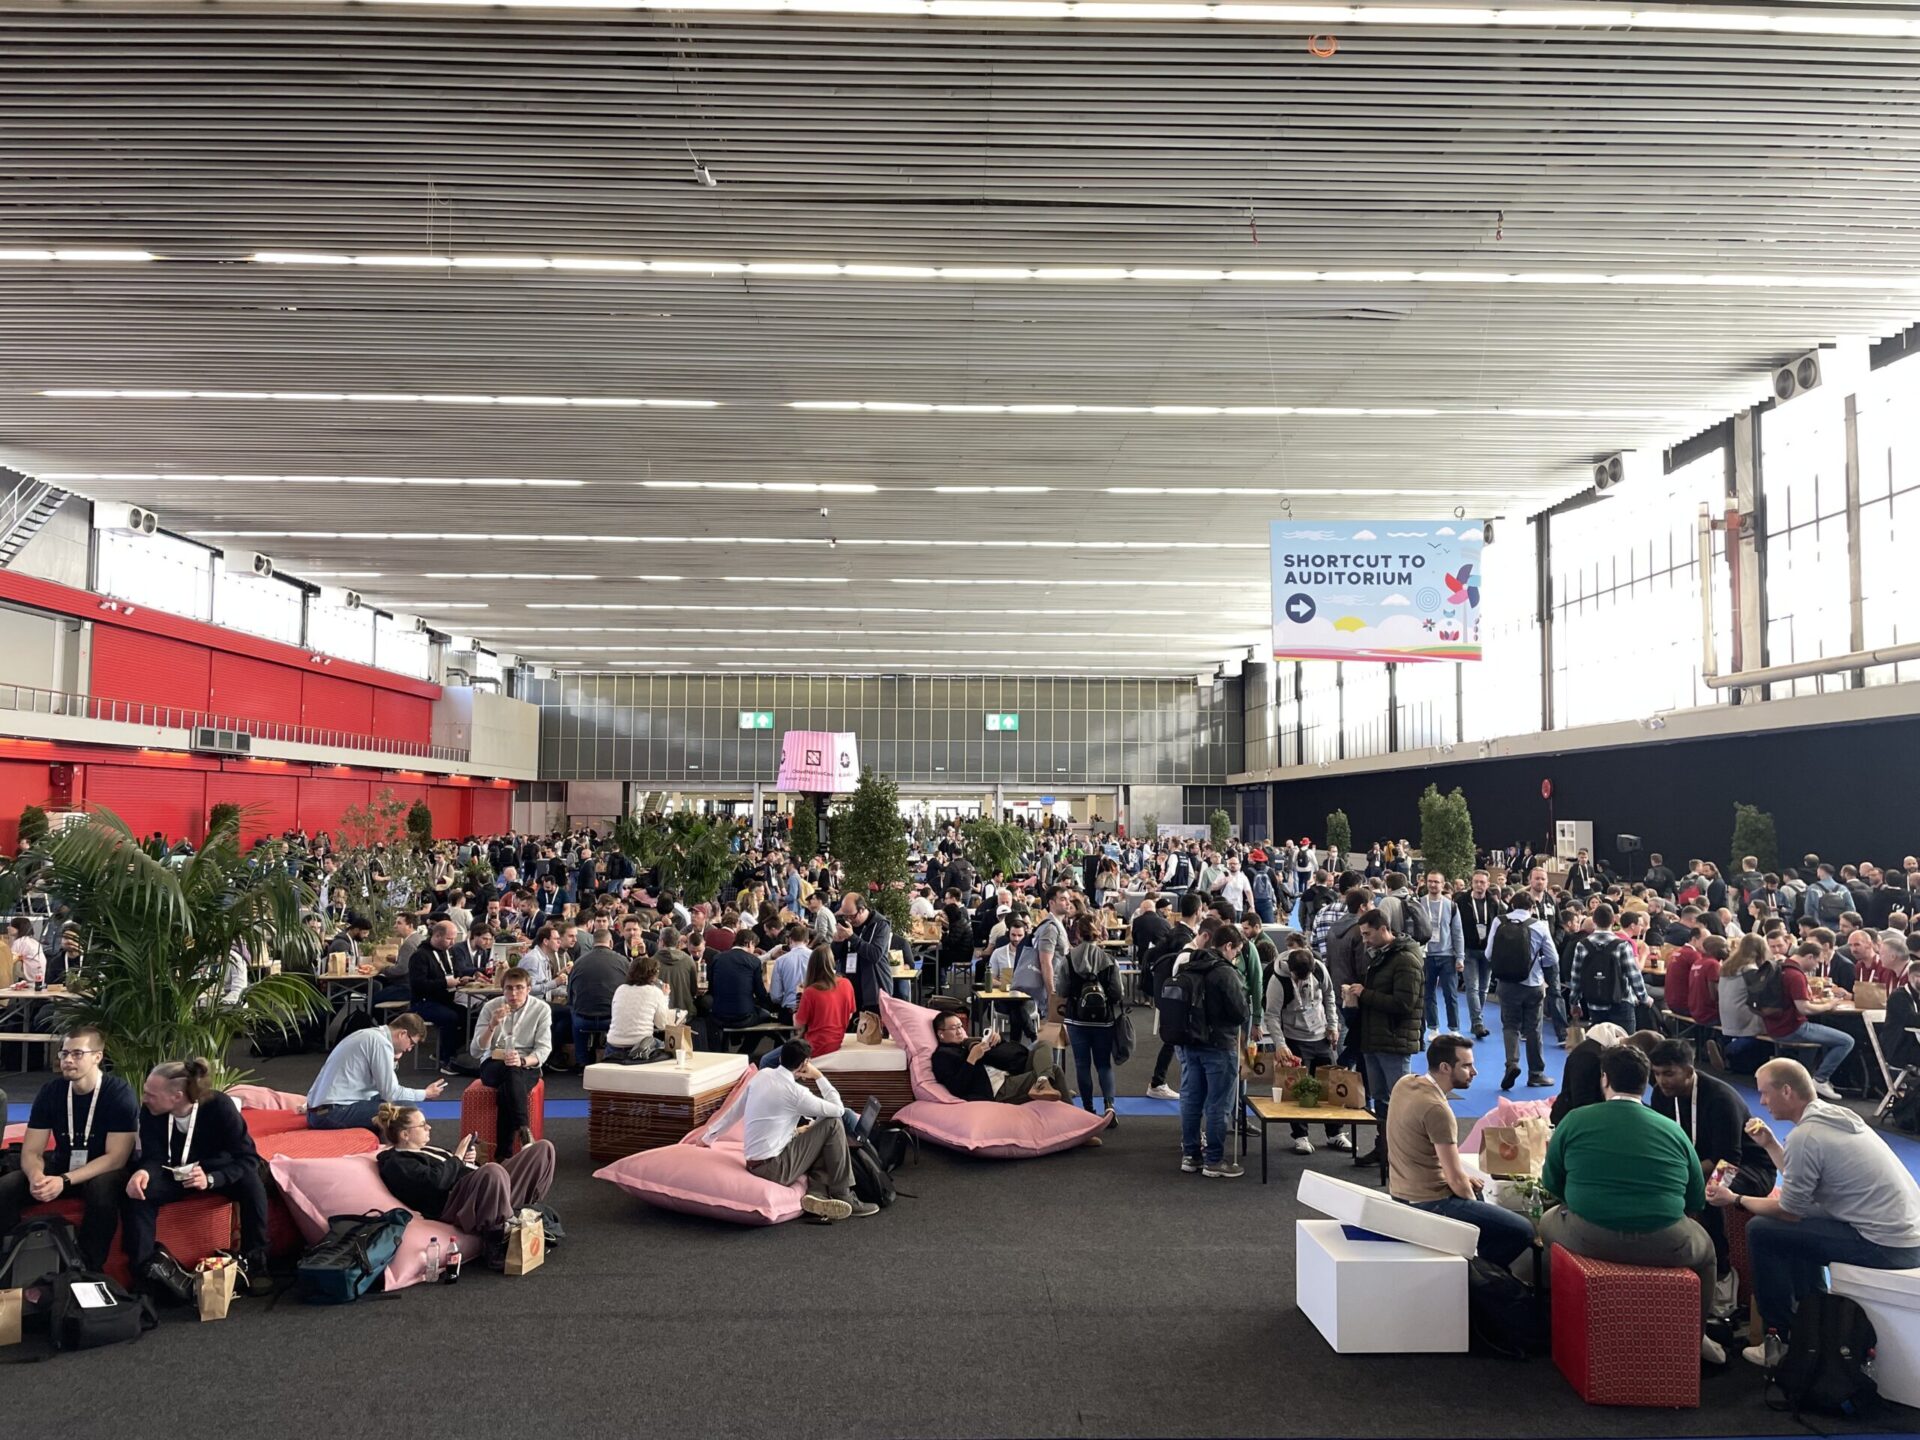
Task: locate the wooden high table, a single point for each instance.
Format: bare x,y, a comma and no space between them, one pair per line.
20,995
1270,1112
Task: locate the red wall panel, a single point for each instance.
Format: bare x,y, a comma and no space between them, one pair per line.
21,783
249,689
330,704
322,801
492,812
449,806
402,717
151,798
405,791
149,668
274,799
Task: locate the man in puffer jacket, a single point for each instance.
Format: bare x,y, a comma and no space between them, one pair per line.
1388,998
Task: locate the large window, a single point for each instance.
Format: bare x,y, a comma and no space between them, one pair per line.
1429,698
1500,693
1363,710
403,650
1889,439
1804,475
336,630
156,570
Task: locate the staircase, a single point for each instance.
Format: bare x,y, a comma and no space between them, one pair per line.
23,510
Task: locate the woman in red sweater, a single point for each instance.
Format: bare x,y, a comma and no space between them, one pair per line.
826,1003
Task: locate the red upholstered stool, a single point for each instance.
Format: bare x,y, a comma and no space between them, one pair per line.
283,1234
1626,1334
479,1114
192,1229
262,1123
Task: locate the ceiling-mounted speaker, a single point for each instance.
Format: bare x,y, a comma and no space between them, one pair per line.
345,599
129,519
1797,377
1609,472
250,562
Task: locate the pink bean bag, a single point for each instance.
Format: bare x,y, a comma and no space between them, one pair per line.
1505,1112
701,1176
350,1185
260,1097
975,1127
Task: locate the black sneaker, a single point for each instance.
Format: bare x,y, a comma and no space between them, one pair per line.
1480,1032
1370,1160
1534,1082
1190,1164
1513,1074
255,1275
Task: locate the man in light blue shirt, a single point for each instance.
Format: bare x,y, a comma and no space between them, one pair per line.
790,969
360,1076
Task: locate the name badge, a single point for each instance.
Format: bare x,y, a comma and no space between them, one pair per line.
75,1159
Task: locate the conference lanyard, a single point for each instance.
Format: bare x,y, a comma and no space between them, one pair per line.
186,1149
93,1104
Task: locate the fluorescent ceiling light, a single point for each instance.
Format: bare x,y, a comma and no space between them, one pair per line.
565,539
772,486
370,397
78,257
786,579
80,477
1250,412
1250,617
993,489
1235,583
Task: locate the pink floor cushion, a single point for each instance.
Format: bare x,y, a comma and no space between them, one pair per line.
260,1097
316,1190
1505,1112
706,1179
1000,1132
912,1026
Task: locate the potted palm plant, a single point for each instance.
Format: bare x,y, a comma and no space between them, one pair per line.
158,941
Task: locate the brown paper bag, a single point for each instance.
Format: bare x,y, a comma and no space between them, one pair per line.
213,1286
1576,1035
867,1029
1052,1035
526,1243
1517,1149
11,1304
1257,1066
679,1039
1344,1088
1285,1077
1869,995
1057,1009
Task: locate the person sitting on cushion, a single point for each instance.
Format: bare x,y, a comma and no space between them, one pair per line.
785,1139
91,1120
1580,1082
442,1185
989,1068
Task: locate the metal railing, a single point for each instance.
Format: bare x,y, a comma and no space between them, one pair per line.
28,699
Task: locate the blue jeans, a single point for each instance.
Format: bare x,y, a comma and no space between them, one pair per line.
1209,1079
1504,1236
357,1116
1744,1048
1383,1073
1092,1051
1835,1046
1790,1258
1478,977
1439,984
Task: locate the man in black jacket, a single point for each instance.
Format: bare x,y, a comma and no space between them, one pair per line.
861,943
1658,876
1157,967
1715,1119
1209,1067
431,973
193,1141
966,1066
590,987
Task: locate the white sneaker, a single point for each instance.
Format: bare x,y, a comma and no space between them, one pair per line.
1303,1146
1162,1091
825,1207
1767,1354
1711,1351
1342,1141
1824,1089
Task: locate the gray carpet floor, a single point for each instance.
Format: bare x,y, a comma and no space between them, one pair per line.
1100,1292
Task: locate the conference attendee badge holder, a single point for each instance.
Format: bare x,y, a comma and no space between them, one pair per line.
526,1243
213,1285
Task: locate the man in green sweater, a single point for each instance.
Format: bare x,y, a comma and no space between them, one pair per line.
1628,1179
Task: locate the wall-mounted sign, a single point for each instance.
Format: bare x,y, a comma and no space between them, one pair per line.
1001,721
756,719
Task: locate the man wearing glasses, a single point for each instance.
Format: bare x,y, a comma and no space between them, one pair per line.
91,1119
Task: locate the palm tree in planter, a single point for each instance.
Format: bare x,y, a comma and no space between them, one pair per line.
157,940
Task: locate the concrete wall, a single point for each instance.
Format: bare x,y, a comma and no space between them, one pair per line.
39,650
502,736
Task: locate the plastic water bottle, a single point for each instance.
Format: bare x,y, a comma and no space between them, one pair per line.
433,1260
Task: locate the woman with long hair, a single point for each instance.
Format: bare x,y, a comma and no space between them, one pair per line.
641,1010
826,1003
1739,1021
448,1186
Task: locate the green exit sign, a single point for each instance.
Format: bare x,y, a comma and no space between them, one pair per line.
1002,721
756,719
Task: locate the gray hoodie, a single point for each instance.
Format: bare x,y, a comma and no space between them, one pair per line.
1838,1169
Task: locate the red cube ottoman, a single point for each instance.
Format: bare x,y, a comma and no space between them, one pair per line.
479,1114
283,1233
1626,1334
192,1229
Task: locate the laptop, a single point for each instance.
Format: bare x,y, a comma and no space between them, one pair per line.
869,1117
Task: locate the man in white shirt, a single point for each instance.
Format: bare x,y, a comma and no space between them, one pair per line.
780,1148
1236,889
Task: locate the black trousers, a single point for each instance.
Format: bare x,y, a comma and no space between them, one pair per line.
142,1217
512,1087
101,1196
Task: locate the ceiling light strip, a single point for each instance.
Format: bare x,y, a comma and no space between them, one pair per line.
367,397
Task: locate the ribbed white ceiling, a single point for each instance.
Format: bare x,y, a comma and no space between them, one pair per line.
205,134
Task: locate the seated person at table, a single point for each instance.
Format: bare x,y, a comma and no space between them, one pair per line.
1580,1081
1628,1179
989,1068
1788,1020
738,992
641,1011
512,1039
440,1185
678,973
1014,954
545,964
91,1119
1844,1198
781,1148
790,969
590,988
1714,1116
192,1141
1423,1153
348,939
1677,984
826,1003
431,974
362,1074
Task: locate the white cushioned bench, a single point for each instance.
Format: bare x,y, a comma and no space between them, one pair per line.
1891,1299
859,1071
638,1107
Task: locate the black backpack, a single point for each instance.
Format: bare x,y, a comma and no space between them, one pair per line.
1828,1367
1087,995
1603,970
1511,954
1505,1315
871,1180
77,1321
351,1020
891,1144
1766,991
1835,901
38,1250
352,1257
1182,1002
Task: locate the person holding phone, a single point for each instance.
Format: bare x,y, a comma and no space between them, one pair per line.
447,1185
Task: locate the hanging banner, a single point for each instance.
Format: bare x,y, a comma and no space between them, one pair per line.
819,762
1376,590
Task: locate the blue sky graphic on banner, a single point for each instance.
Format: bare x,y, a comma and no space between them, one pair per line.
1376,590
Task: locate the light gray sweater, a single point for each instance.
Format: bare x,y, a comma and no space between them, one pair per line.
530,1030
1837,1168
